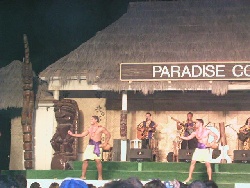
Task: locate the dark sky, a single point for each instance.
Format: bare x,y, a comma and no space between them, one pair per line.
54,27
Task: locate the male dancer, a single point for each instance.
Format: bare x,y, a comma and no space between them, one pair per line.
201,153
93,151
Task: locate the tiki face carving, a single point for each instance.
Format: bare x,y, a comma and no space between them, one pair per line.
66,114
123,124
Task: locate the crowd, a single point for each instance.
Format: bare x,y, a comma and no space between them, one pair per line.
19,181
134,182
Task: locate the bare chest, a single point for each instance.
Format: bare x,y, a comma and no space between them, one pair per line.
201,134
95,131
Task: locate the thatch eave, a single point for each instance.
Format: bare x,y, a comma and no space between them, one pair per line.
11,93
161,31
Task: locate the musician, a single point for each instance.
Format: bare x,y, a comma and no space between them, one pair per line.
244,135
189,127
146,130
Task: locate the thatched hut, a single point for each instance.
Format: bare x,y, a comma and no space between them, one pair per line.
11,102
183,31
160,31
11,83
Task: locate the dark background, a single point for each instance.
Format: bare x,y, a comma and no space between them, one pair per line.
54,27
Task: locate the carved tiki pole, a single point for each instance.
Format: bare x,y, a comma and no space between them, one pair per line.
64,145
28,108
123,125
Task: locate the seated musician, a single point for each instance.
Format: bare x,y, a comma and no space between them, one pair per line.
244,136
146,130
189,127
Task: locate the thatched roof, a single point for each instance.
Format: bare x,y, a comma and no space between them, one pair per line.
11,92
161,31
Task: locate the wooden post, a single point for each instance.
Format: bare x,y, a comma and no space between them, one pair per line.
28,108
224,158
222,134
223,139
123,118
123,127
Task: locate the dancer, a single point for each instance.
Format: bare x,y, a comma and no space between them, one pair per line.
93,150
201,153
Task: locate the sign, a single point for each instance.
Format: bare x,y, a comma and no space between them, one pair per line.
185,71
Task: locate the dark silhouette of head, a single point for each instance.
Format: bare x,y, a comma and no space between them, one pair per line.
35,185
210,184
118,184
197,184
54,185
135,182
154,184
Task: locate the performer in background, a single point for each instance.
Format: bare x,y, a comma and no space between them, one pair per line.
189,127
93,149
201,153
244,136
145,132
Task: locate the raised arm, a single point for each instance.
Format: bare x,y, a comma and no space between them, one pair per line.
84,133
192,135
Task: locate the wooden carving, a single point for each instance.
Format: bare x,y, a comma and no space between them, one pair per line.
28,107
64,145
123,124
